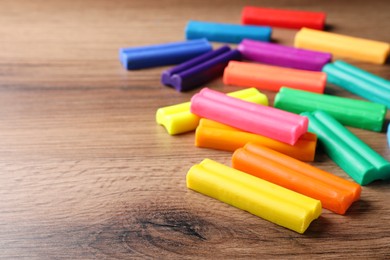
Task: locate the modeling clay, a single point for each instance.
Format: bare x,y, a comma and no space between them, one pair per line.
229,33
388,134
335,193
162,54
357,159
200,70
259,197
284,56
359,82
347,111
178,119
268,77
259,119
214,135
342,45
295,19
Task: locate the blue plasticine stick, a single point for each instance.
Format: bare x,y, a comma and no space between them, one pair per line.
162,54
388,134
359,82
229,33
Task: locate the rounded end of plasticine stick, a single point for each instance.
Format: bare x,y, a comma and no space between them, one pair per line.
166,78
176,82
162,119
310,217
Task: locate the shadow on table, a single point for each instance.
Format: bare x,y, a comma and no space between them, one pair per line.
326,223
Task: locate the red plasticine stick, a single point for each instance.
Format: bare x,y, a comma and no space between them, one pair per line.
283,18
335,193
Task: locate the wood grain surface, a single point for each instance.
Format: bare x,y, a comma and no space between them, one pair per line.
85,172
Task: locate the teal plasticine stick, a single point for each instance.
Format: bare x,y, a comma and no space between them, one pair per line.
364,84
356,158
350,112
374,79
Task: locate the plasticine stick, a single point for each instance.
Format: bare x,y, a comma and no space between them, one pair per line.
178,119
294,19
284,56
259,197
214,135
335,193
162,54
224,32
348,111
359,82
271,122
245,74
343,45
200,70
357,159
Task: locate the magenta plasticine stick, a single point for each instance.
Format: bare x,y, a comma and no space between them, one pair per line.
284,56
268,121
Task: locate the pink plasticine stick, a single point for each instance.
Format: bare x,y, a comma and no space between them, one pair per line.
263,110
268,121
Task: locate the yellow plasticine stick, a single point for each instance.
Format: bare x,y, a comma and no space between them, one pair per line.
178,119
257,196
342,45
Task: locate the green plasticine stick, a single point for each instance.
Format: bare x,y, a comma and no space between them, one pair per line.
359,82
356,158
350,112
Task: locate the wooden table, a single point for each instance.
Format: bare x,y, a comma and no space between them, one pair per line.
87,173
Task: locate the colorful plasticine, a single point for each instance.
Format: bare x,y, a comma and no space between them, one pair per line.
267,77
162,54
359,82
335,193
388,134
356,158
347,111
294,19
342,45
259,197
199,70
178,119
284,56
229,33
268,121
214,135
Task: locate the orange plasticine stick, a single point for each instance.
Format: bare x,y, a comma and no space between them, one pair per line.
335,193
272,78
211,134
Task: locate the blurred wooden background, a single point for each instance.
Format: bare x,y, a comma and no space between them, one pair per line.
85,172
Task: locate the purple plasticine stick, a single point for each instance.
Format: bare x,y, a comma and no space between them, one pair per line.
285,56
199,70
166,75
